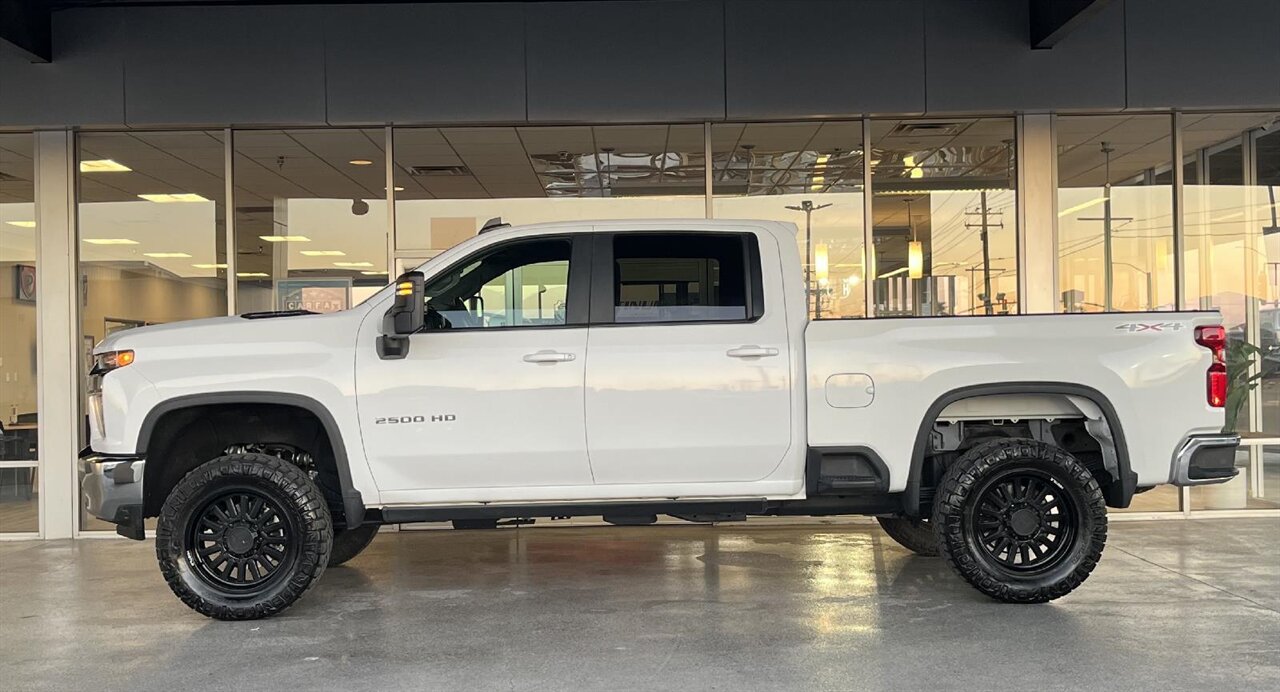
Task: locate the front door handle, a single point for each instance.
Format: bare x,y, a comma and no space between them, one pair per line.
751,352
549,357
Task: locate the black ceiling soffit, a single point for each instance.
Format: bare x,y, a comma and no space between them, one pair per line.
27,24
1052,20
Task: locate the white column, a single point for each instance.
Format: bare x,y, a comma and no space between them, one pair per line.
57,332
1037,214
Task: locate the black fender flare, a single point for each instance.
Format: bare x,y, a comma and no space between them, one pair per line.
1118,493
352,502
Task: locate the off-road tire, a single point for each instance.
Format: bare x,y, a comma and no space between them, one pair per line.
349,543
298,512
1068,485
916,535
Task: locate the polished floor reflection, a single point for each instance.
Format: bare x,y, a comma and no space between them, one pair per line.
1174,605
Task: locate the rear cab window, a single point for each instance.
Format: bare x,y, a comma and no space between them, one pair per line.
679,277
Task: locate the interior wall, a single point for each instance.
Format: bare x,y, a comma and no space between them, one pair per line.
145,296
17,348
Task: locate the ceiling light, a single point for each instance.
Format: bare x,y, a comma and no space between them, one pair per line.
174,197
360,162
353,264
110,241
285,238
895,272
368,273
324,253
103,166
915,259
397,188
209,266
165,255
252,275
22,224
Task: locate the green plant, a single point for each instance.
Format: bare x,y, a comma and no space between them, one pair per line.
1240,357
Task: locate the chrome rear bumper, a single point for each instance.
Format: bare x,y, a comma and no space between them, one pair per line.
1206,459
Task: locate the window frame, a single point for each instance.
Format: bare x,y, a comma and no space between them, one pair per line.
603,278
577,293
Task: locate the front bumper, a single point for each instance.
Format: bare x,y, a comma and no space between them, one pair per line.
1205,459
112,490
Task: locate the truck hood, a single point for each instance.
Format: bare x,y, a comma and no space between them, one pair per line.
242,333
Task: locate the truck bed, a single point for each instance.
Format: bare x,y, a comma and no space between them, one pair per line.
881,383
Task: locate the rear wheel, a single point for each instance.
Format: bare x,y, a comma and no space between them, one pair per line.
914,534
243,536
349,543
1020,520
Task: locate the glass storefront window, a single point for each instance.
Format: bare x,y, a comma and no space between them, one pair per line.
944,217
1115,213
809,174
152,234
19,434
449,181
310,218
1233,249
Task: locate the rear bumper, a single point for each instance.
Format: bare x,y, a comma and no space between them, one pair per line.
1205,459
112,490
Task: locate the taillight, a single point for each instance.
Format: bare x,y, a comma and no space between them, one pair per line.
1215,339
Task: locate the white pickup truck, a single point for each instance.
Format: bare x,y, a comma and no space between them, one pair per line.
630,369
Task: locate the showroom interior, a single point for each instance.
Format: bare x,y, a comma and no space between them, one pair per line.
282,163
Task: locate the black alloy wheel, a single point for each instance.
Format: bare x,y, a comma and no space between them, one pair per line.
243,536
1023,522
241,542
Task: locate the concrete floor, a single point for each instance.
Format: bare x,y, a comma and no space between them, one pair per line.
1175,605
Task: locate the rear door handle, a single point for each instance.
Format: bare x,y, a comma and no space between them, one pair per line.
549,357
751,352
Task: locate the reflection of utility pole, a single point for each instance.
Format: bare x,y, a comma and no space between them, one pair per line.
1108,280
1151,296
808,207
984,225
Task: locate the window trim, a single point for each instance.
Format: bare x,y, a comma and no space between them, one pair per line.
602,278
580,270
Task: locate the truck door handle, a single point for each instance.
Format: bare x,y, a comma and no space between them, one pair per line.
549,357
751,352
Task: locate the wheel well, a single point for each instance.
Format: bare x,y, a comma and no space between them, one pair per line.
1076,418
185,438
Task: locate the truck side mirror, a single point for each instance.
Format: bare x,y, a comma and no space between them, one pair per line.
405,316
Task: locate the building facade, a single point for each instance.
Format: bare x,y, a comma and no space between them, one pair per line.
941,158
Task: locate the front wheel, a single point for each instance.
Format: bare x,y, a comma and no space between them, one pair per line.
243,536
1020,520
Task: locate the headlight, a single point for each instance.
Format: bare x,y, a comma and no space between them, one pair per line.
104,363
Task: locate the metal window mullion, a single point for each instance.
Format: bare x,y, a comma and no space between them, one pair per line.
707,174
229,215
869,268
389,155
1179,228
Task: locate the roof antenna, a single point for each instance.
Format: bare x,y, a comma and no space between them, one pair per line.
493,224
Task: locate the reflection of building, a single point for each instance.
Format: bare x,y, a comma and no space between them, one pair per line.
186,168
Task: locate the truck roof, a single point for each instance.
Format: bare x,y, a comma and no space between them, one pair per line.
657,224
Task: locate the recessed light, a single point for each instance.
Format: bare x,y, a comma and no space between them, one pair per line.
374,273
165,255
110,241
360,162
22,224
252,275
209,266
285,238
353,264
165,198
103,166
324,253
397,188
